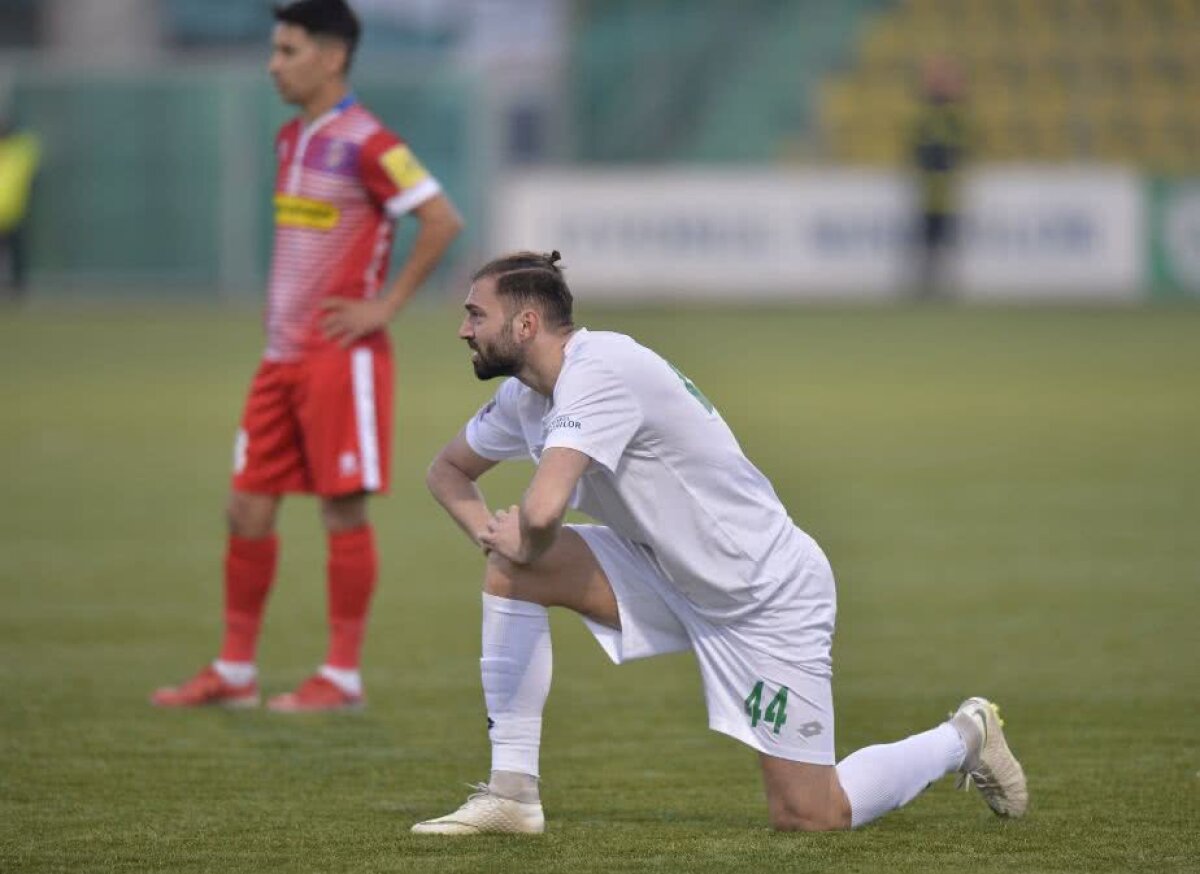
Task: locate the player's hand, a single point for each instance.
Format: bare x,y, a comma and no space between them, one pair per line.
345,321
503,535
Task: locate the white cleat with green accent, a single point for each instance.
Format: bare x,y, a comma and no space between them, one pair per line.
989,763
487,814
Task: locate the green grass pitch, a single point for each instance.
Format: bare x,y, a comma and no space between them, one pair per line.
1010,499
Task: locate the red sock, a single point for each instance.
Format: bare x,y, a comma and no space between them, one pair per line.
249,572
353,568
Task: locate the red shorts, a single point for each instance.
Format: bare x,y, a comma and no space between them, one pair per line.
321,425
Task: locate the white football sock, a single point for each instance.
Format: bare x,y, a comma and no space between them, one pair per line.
347,679
236,673
515,668
880,778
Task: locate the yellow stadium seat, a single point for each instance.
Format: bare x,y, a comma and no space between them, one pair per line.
837,102
1153,113
1007,144
1118,142
1077,14
1129,11
1046,79
1052,138
884,43
1171,149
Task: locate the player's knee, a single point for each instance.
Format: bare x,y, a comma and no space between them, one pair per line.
250,516
346,513
791,822
499,576
787,817
504,579
237,517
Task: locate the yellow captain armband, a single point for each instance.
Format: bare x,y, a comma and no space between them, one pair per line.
403,168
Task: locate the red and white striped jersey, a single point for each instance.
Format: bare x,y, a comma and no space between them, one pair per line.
341,183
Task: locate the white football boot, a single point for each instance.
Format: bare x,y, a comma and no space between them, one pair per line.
989,763
486,813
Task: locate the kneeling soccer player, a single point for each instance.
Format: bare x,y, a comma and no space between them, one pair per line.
695,552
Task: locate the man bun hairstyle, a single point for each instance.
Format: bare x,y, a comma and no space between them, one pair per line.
532,279
323,18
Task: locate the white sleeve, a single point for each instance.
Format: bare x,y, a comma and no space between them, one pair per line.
406,201
495,431
594,413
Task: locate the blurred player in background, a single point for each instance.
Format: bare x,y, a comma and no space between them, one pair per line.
939,149
20,153
318,416
696,552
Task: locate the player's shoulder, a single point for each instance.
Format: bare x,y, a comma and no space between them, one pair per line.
587,343
515,400
511,388
605,351
362,126
607,359
290,129
511,394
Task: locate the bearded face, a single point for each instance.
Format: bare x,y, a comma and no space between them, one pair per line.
499,357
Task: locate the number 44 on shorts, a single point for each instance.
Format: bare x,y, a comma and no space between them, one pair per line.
776,714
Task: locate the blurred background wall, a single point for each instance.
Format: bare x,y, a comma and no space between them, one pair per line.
671,148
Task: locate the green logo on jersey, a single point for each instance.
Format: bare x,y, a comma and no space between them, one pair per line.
692,390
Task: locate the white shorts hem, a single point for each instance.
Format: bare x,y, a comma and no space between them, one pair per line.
608,638
741,733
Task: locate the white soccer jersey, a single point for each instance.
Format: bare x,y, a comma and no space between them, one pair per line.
666,473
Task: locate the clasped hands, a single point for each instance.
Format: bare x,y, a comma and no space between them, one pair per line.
503,536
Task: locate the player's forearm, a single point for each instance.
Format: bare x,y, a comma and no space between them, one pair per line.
434,236
546,500
541,520
536,539
460,497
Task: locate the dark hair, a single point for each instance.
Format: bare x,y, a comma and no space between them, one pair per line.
330,18
530,278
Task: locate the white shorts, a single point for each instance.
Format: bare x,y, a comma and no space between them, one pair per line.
778,700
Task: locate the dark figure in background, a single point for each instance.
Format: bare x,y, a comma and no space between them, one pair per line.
19,155
938,151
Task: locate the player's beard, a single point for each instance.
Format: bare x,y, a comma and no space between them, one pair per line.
502,358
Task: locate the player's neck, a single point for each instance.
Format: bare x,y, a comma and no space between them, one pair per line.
324,101
545,363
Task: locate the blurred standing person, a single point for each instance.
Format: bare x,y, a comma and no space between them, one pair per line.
938,152
20,153
318,416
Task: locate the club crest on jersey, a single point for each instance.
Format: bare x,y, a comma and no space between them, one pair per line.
335,154
328,155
